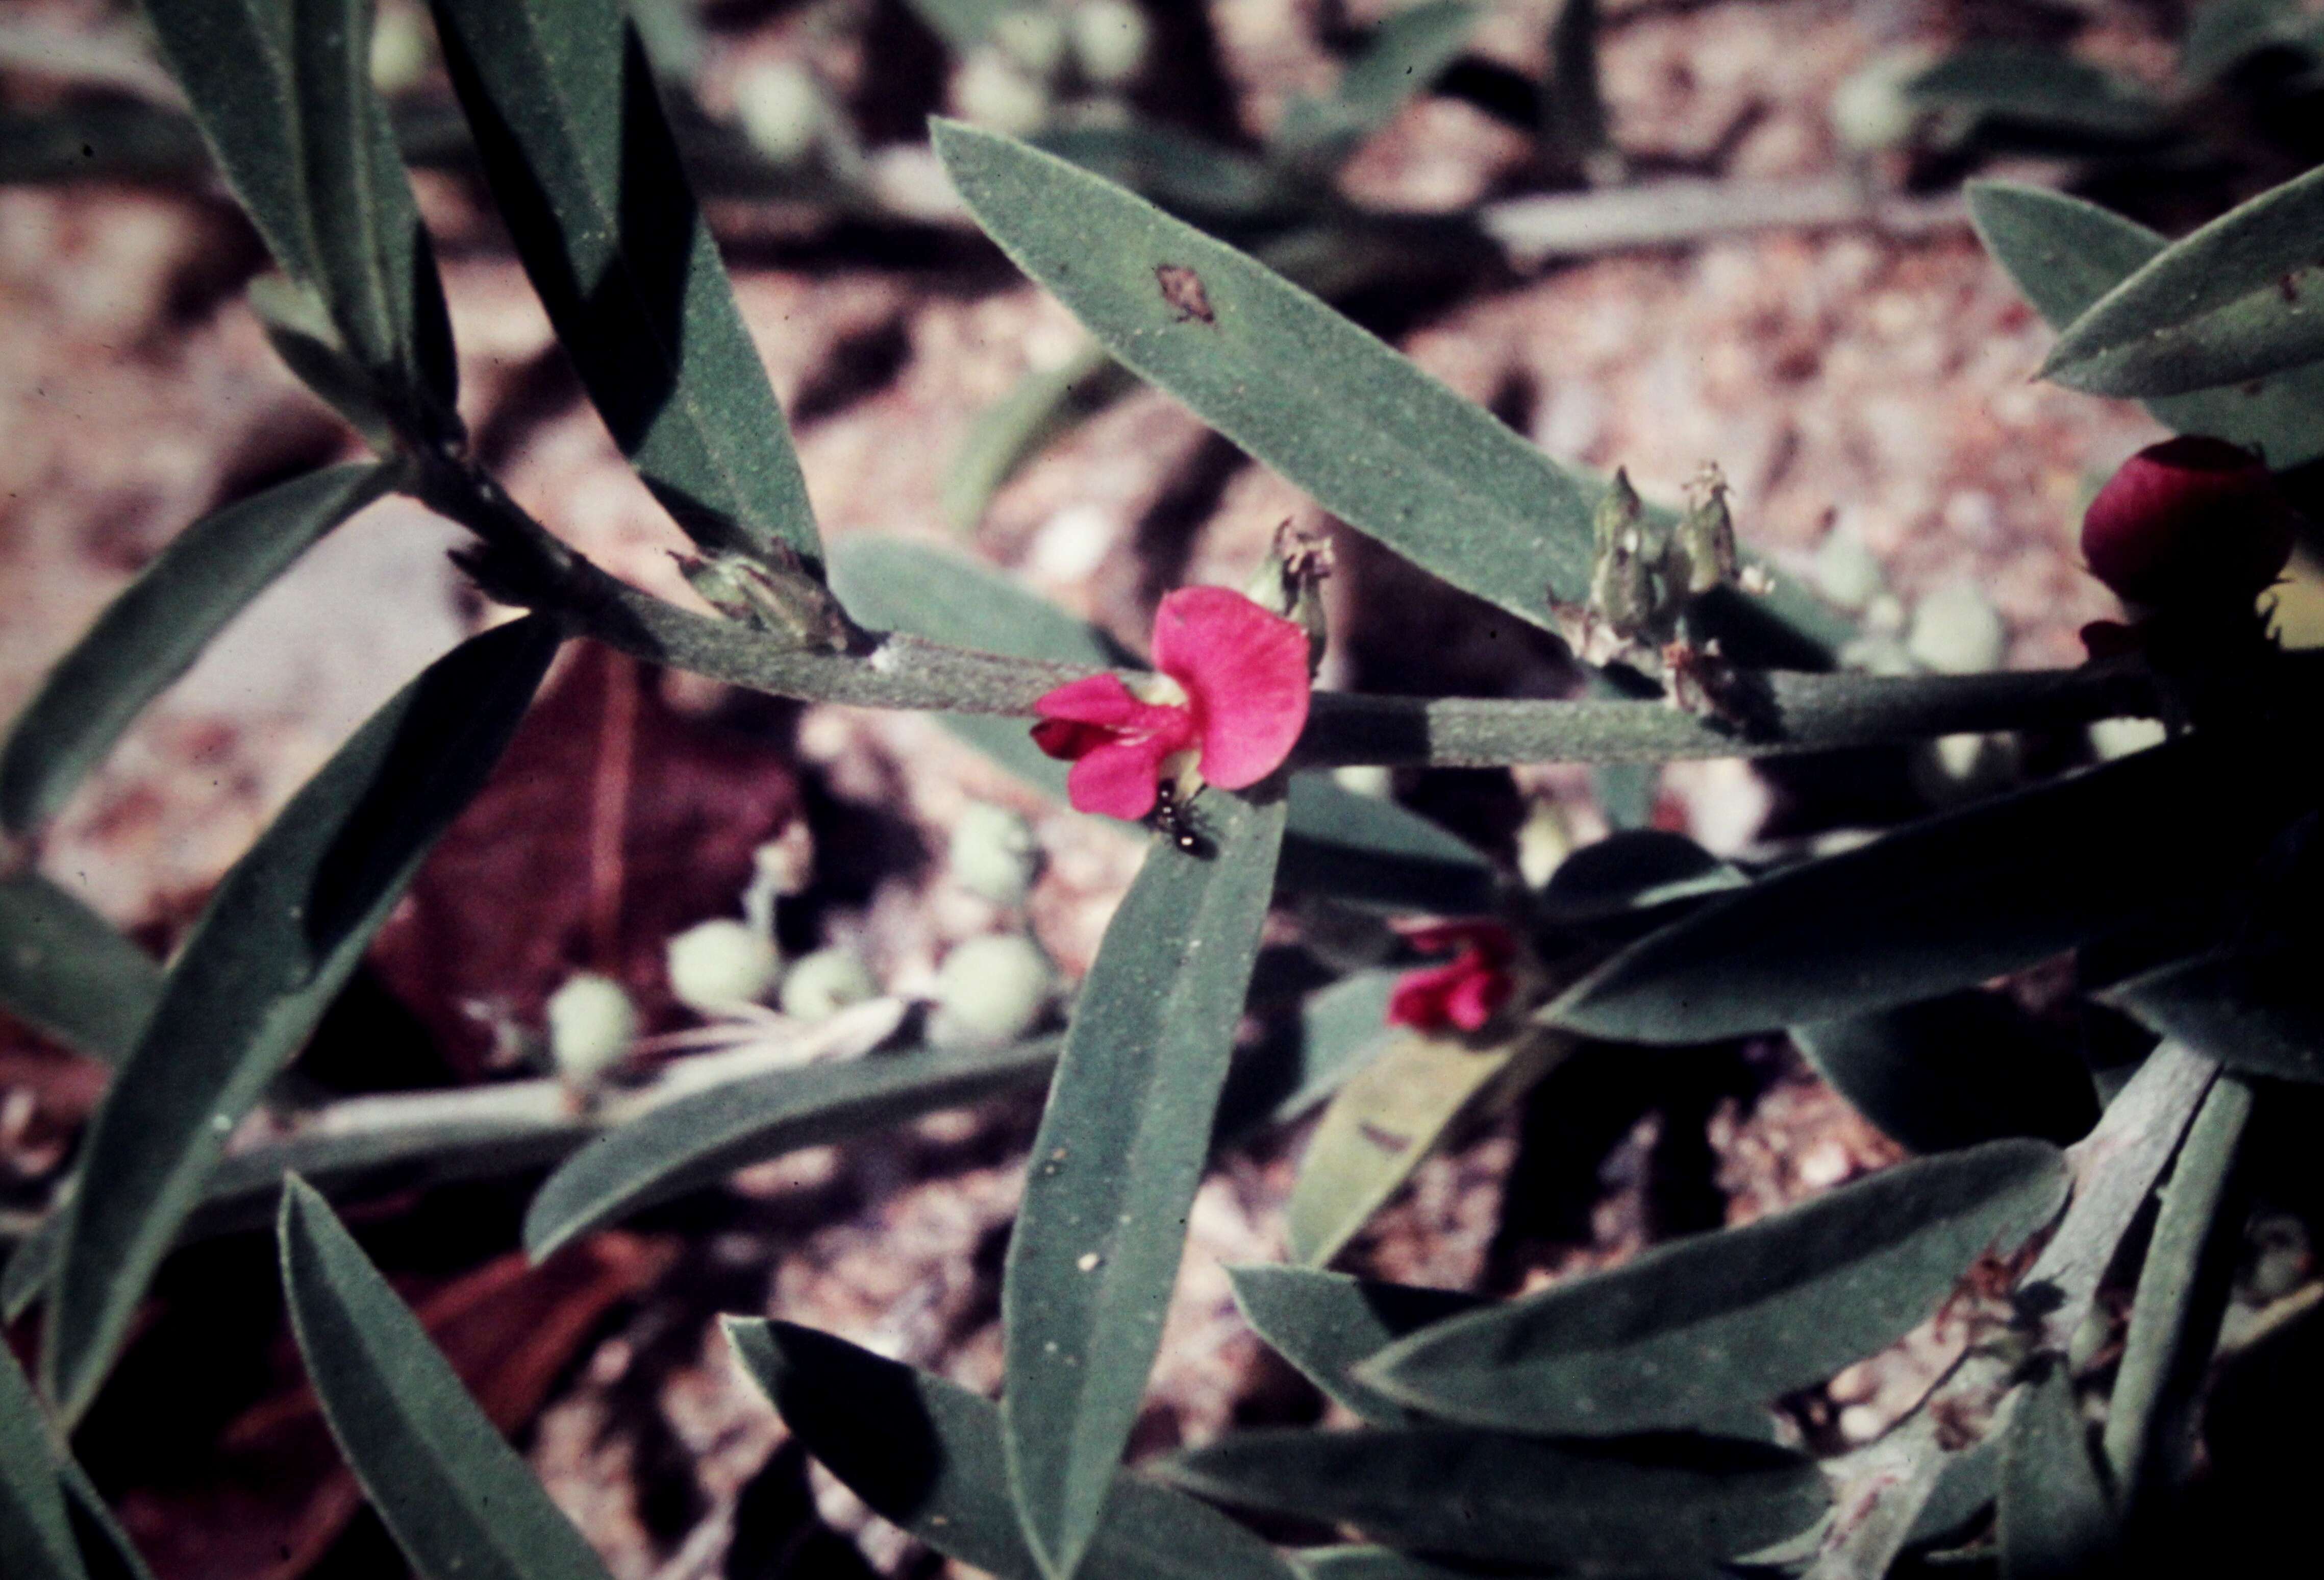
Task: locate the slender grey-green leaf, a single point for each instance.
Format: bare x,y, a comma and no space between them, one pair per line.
1327,1323
1386,1121
67,973
1952,1072
1640,1506
1340,1030
372,258
1963,1493
1013,430
154,632
1402,57
286,927
2240,298
699,1140
2030,86
1629,872
233,59
1115,1164
2056,1521
105,1550
2222,34
2183,1289
457,1498
1356,1562
1375,440
1719,1323
1572,98
2065,253
2265,1020
579,155
1353,847
241,1191
1944,904
926,1456
35,1531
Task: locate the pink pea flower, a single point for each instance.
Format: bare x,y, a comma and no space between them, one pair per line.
1230,699
1464,994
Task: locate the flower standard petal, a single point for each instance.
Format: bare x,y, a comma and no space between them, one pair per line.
1245,671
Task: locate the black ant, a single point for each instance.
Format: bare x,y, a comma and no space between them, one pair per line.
1175,820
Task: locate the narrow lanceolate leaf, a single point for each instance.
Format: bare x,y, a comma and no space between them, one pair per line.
2030,86
1390,1115
1708,1329
150,635
372,258
2250,1018
1942,905
1013,430
1954,1071
2065,253
35,1531
1351,847
233,59
699,1140
926,1456
455,1496
2240,298
67,972
1373,438
1115,1165
1327,1323
2055,1520
280,937
1357,1562
1639,1506
580,159
1402,58
1340,1030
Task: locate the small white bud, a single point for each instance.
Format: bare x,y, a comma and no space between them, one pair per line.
1957,630
1847,572
1955,768
1365,778
591,1025
781,108
1035,40
990,991
827,982
720,964
1544,842
994,854
1871,109
1110,41
401,46
2119,737
992,91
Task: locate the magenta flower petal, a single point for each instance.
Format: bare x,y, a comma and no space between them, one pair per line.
1119,779
1245,671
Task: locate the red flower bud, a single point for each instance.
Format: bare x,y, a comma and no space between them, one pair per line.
2188,519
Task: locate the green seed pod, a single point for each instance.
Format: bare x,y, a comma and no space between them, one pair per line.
994,854
716,966
990,991
591,1025
827,982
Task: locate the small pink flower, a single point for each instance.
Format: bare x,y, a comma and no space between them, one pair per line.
1233,691
1464,994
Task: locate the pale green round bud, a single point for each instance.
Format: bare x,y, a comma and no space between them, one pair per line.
990,991
994,855
1957,630
781,107
991,91
721,965
827,982
1871,110
401,46
1110,41
1035,40
591,1025
1847,573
